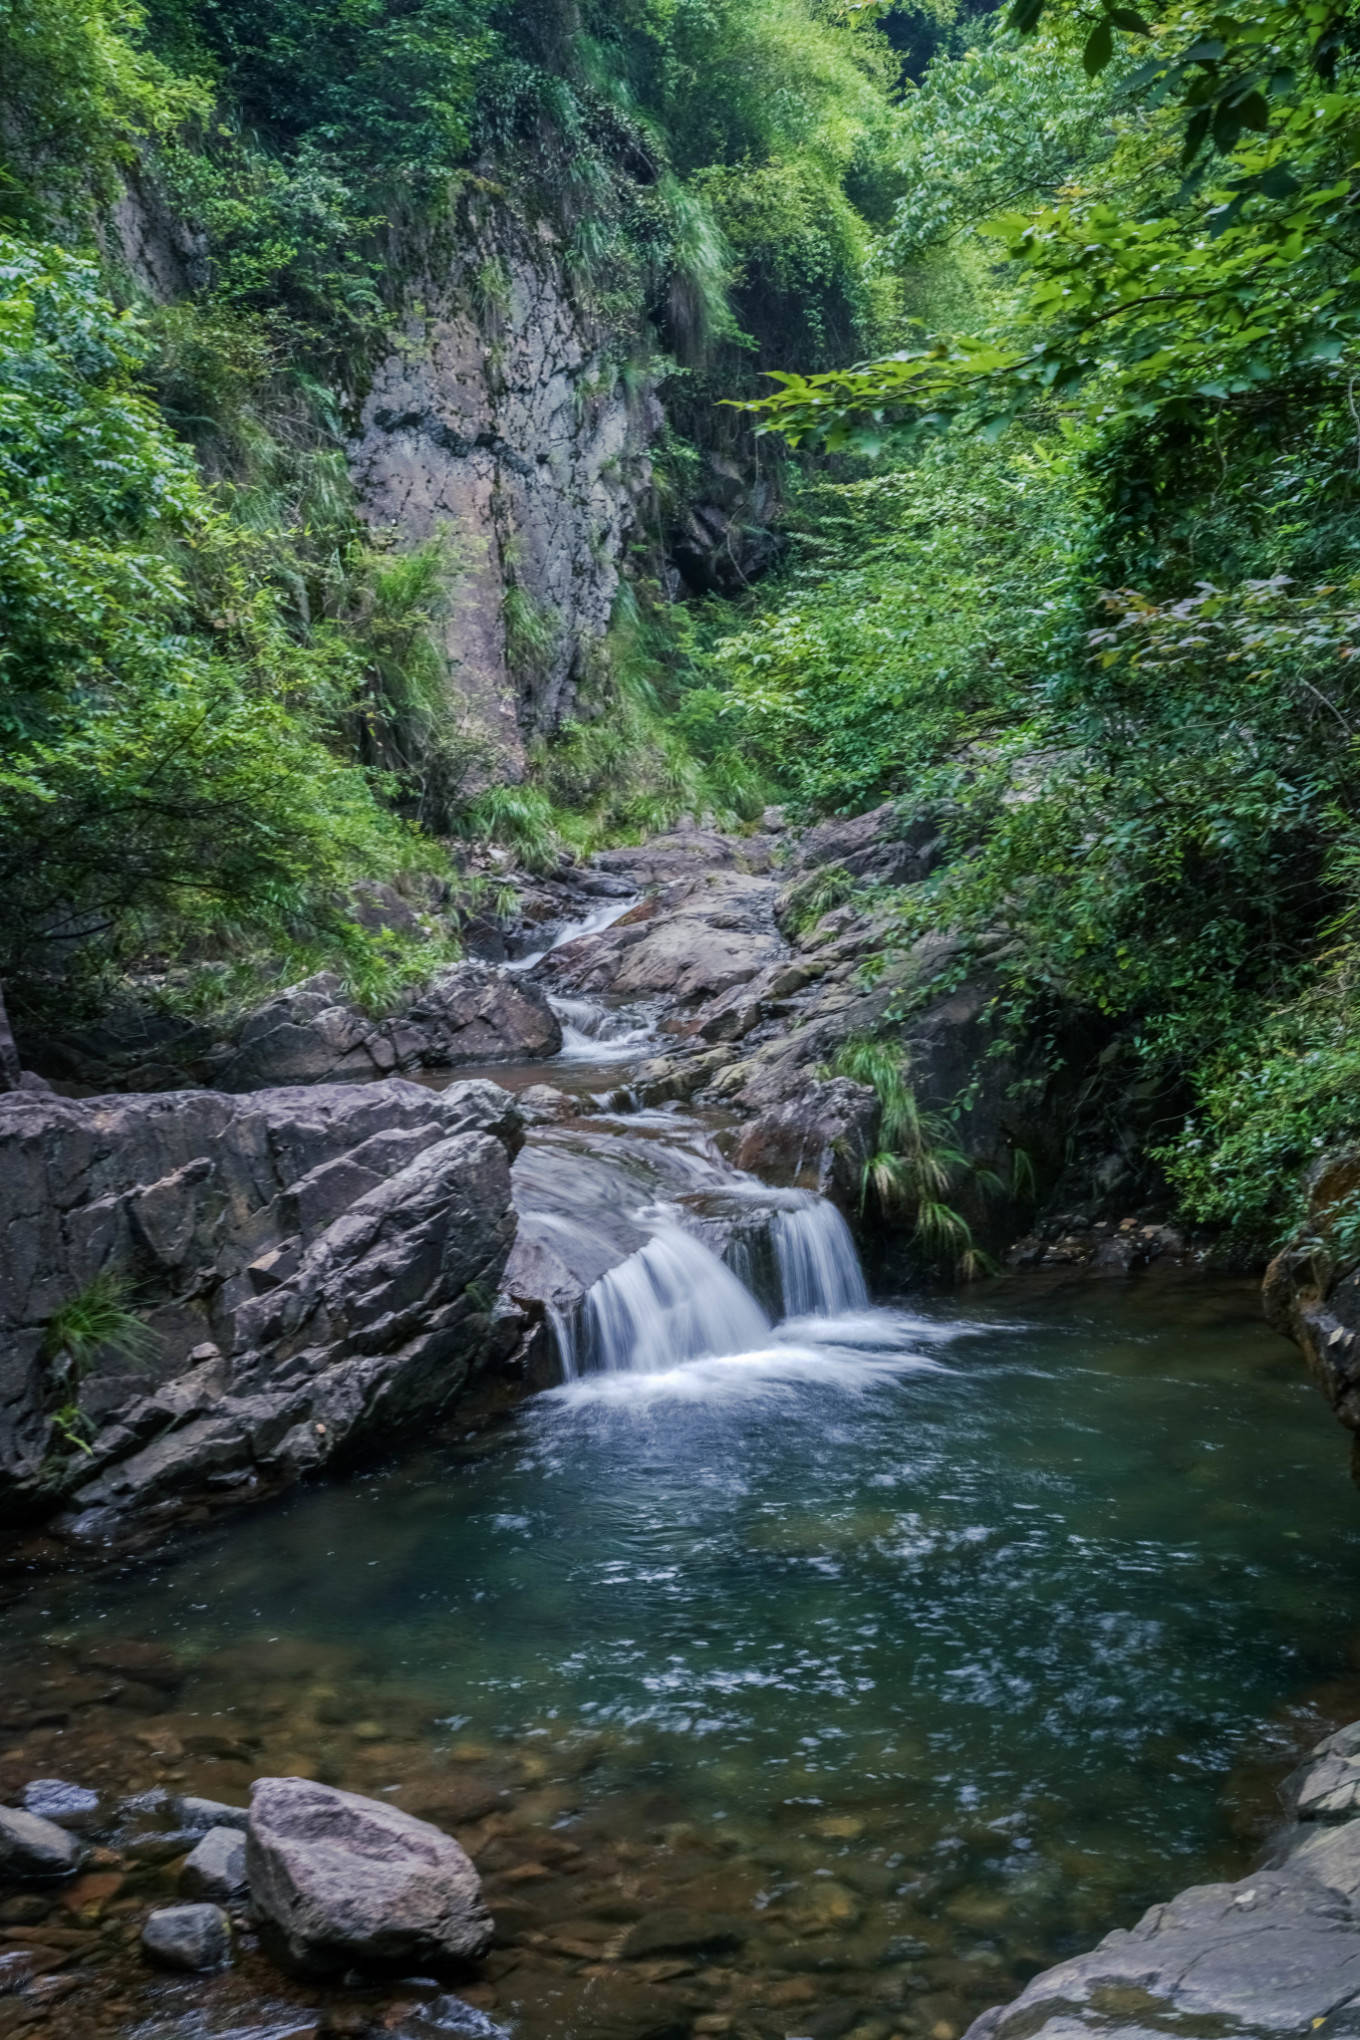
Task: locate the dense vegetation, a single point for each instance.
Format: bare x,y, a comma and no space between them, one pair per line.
1078,578
221,703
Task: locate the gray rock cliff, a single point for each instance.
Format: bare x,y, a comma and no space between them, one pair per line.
310,1267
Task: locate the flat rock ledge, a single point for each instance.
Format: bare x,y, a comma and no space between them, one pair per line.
1275,1953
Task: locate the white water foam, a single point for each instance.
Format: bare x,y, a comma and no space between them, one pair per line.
591,1033
604,916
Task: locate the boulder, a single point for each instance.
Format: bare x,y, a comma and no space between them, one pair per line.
34,1848
192,1937
65,1805
312,1034
339,1880
882,847
312,1266
216,1867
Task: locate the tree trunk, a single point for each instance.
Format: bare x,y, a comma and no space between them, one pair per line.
10,1074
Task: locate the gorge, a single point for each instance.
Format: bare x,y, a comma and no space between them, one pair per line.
679,836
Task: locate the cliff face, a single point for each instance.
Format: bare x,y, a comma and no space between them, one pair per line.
499,420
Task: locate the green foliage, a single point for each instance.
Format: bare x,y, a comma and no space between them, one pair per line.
921,602
163,775
99,1318
920,1164
1247,121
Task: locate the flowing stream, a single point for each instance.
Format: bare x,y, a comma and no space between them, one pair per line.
802,1666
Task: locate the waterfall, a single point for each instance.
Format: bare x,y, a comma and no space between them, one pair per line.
819,1271
672,1301
675,1300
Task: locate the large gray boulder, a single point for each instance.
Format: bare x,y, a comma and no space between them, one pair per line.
338,1880
312,1034
311,1266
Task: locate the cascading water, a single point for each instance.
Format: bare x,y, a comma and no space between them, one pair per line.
672,1301
675,1300
819,1271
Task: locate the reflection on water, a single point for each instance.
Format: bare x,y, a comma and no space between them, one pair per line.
903,1653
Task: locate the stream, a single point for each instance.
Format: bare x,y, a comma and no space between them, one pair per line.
803,1665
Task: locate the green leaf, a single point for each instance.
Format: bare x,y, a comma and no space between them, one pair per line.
1099,49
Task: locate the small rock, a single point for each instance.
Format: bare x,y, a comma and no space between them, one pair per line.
30,1847
66,1806
673,1932
217,1867
196,1816
187,1937
338,1879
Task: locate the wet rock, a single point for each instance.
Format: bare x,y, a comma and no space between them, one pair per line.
310,1034
314,1267
216,1867
34,1848
698,938
65,1805
1276,1953
196,1816
192,1937
820,1139
1326,1787
541,1104
339,1880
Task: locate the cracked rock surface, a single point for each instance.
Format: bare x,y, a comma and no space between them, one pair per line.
311,1266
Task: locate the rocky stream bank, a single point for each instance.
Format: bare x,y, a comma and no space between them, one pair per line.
339,1228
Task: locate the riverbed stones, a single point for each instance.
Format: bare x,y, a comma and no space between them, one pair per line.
216,1867
32,1848
188,1937
340,1880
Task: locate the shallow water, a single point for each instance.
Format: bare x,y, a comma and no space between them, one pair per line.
911,1650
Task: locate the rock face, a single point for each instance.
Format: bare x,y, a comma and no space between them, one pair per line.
1275,1953
1312,1294
499,419
310,1267
311,1034
339,1880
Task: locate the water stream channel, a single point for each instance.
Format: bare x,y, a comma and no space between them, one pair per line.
803,1665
